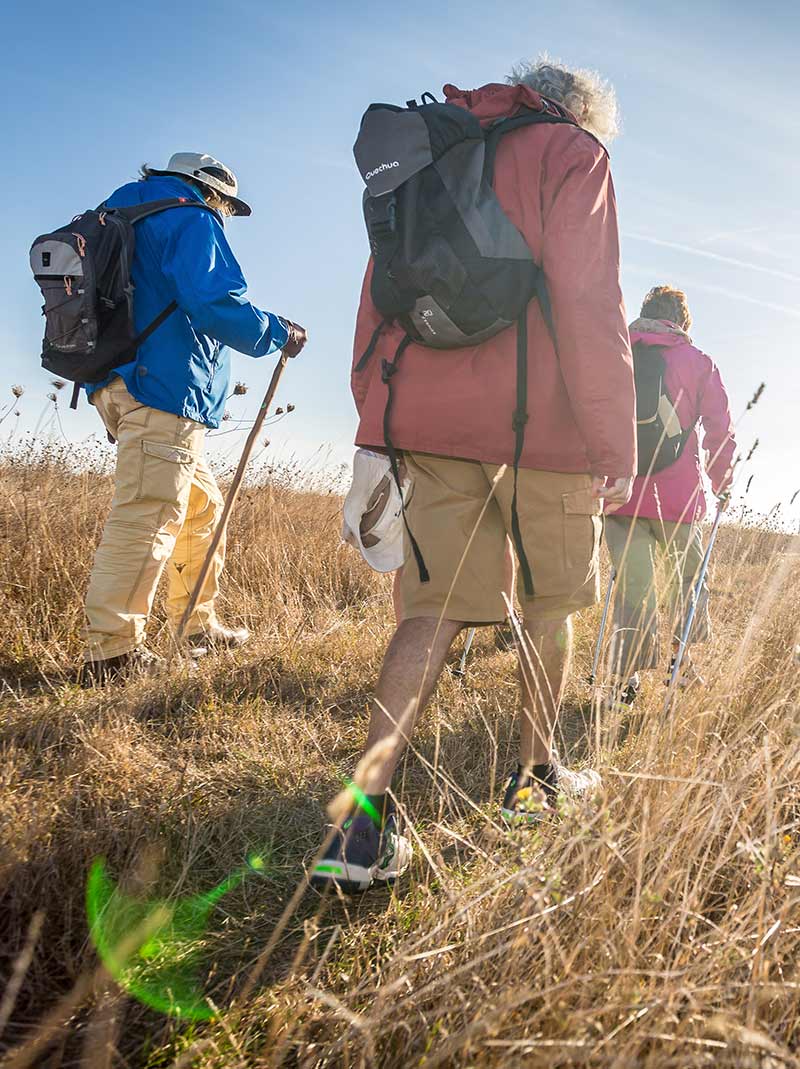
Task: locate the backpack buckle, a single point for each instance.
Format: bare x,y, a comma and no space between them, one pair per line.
383,217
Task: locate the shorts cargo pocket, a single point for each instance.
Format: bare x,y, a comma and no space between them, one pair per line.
166,472
582,526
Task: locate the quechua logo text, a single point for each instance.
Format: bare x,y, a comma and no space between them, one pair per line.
383,167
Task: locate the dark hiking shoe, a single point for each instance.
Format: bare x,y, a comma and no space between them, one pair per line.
527,800
530,798
140,662
216,638
623,695
361,853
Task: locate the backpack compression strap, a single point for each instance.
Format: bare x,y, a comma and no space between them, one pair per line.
518,422
519,419
388,369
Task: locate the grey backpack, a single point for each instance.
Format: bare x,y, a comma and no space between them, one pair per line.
84,272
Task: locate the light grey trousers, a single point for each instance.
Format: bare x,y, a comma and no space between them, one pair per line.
635,545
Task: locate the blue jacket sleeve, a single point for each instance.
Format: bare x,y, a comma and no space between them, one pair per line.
210,288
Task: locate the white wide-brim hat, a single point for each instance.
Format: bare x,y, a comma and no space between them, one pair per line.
208,172
375,491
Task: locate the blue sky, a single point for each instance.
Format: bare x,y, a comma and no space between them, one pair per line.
706,169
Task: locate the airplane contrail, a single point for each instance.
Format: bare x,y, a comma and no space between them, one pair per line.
723,291
694,251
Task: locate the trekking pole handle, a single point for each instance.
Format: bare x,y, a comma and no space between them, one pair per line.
233,493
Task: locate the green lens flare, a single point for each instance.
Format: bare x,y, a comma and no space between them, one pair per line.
151,946
363,802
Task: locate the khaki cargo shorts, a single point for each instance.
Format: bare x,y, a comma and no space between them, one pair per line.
464,545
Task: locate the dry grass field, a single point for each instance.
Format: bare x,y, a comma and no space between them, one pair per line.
661,930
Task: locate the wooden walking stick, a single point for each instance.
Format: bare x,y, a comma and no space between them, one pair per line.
233,493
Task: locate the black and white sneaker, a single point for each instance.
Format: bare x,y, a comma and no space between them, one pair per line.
623,695
529,799
361,853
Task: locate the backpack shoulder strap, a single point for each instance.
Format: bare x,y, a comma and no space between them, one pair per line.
136,212
528,117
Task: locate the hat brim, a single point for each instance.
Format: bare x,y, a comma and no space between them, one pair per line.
239,206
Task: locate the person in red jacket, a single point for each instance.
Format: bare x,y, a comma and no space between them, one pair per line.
665,509
450,418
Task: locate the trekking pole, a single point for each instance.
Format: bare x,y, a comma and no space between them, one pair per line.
233,493
461,671
599,644
698,586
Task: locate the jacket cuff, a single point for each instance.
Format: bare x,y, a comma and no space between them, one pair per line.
613,466
278,331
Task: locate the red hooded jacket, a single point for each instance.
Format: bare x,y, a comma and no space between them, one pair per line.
554,183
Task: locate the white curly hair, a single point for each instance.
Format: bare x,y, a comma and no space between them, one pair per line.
588,96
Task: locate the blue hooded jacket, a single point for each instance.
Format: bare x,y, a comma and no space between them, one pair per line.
183,255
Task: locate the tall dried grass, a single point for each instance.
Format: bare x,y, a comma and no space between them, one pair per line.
661,930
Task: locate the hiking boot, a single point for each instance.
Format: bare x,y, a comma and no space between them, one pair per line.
361,853
530,798
140,662
216,637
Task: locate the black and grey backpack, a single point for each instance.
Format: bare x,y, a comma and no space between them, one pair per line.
660,439
84,272
449,265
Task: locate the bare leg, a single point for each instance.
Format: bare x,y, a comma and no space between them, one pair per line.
411,667
542,673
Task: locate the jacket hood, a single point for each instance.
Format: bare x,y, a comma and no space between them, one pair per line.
658,332
498,101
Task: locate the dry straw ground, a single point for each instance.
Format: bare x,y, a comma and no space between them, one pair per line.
663,930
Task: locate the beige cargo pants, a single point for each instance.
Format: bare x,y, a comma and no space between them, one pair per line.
166,506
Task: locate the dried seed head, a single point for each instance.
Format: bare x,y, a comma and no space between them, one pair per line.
756,396
58,383
18,391
753,448
226,415
52,397
266,442
290,408
278,411
240,389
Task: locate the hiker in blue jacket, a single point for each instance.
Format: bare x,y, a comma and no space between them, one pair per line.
158,408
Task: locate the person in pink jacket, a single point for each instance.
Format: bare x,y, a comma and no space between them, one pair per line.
666,507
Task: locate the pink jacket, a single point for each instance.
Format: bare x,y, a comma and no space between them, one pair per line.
695,386
554,183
